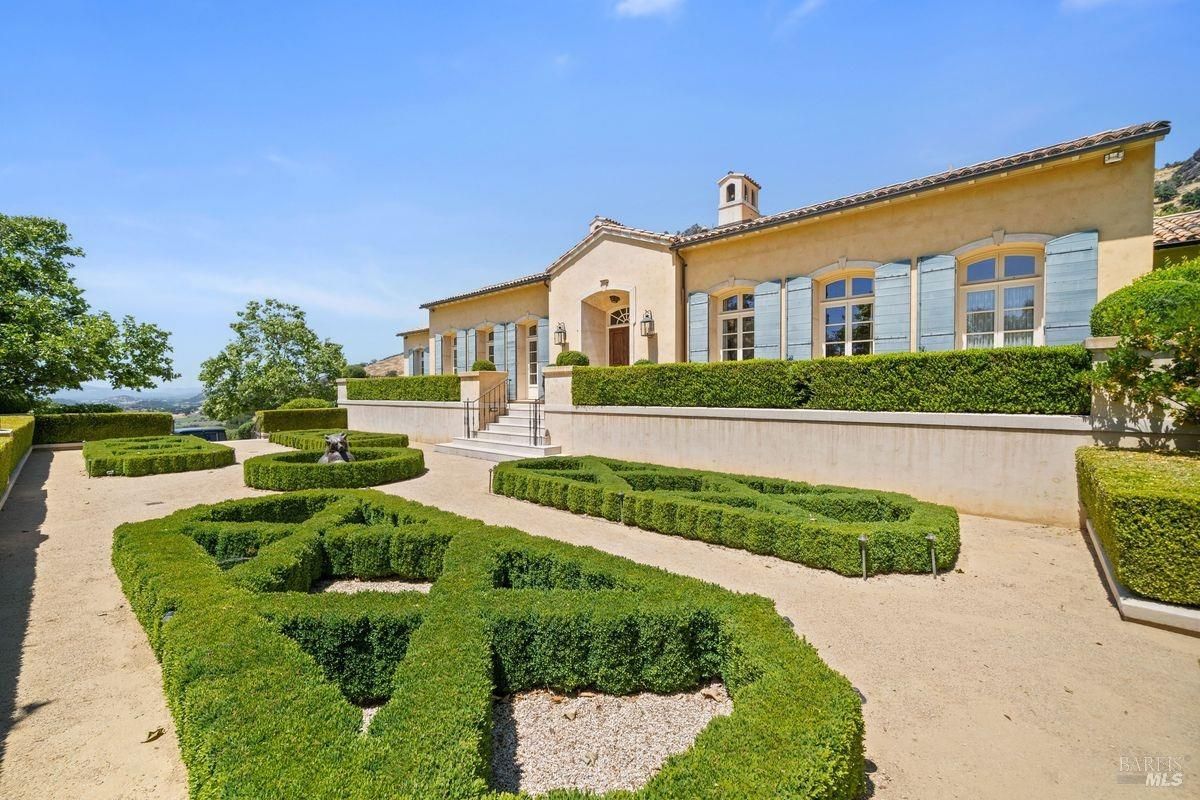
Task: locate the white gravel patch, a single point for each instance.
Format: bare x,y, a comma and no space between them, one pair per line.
369,713
355,585
544,741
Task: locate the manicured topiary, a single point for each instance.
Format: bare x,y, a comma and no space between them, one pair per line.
817,526
1145,509
153,455
1167,299
426,388
90,427
315,439
14,446
1013,380
308,402
571,358
260,675
300,419
287,472
483,365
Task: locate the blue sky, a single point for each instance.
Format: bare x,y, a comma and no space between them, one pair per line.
361,158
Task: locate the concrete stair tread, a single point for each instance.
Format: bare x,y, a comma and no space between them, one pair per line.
495,451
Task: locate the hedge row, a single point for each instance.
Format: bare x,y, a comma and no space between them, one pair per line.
300,419
315,439
153,455
1015,380
1145,509
259,681
62,428
289,471
817,526
1168,298
428,388
13,448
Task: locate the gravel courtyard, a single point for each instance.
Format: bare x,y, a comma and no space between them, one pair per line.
1011,676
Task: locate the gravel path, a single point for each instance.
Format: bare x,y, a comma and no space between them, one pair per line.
543,741
355,585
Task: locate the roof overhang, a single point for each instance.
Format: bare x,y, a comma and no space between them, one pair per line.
516,283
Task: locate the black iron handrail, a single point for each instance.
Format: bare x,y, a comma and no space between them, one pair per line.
489,407
536,421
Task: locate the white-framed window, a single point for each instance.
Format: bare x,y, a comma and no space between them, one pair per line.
735,323
531,339
619,317
454,353
1000,299
848,316
491,345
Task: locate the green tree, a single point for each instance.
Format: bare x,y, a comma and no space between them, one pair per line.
50,339
1190,201
273,357
355,371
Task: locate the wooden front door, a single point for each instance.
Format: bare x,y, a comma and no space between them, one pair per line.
618,346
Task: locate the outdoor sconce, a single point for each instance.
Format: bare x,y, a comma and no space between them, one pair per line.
560,334
647,324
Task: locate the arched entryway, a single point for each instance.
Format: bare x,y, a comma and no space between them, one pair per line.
605,330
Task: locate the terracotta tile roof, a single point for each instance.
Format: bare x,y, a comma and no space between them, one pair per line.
602,225
539,277
1096,141
1177,229
414,330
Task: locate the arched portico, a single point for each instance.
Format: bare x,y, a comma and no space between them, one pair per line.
606,326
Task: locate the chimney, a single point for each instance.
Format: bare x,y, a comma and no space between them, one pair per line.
737,200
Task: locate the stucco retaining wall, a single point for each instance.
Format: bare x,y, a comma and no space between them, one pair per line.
423,422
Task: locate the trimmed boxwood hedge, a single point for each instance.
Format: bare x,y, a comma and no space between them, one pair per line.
1145,509
63,428
152,455
307,402
1168,298
293,419
299,470
315,439
259,676
428,388
817,526
13,448
1011,380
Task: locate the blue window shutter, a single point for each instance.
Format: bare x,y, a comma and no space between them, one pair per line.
766,320
472,338
408,363
498,347
460,351
1072,262
698,326
892,304
799,318
437,355
510,357
935,322
543,345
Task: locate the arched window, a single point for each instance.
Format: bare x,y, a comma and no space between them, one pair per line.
736,321
848,315
730,192
1000,293
619,317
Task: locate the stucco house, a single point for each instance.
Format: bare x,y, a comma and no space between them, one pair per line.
1012,251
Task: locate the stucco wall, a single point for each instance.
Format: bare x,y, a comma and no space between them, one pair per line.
1055,200
511,305
423,422
644,270
1175,254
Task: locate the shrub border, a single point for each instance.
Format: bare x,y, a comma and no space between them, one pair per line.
190,453
287,472
300,419
91,427
315,439
412,388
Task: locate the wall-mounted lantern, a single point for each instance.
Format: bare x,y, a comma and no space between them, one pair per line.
560,334
647,324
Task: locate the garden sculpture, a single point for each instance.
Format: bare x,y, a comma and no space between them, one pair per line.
337,450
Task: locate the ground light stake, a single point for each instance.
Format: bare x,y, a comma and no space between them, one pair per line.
862,548
932,553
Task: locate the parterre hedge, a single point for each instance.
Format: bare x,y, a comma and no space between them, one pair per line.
292,419
813,525
153,455
260,677
63,428
299,470
315,439
1013,380
428,388
1145,509
13,448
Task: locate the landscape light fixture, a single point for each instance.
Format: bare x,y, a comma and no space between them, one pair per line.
647,324
560,334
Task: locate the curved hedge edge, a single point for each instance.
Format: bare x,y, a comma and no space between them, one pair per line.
154,455
315,439
1145,510
892,546
427,388
286,472
90,427
300,419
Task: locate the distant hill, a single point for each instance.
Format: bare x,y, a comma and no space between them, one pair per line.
1177,187
148,402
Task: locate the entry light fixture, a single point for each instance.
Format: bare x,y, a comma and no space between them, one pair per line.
647,324
560,334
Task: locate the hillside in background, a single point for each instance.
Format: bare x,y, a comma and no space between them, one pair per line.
1177,186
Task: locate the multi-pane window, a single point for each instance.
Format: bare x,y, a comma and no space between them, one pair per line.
847,316
619,317
532,338
736,322
1000,301
453,353
491,345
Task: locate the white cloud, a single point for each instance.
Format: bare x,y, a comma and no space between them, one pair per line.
647,8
